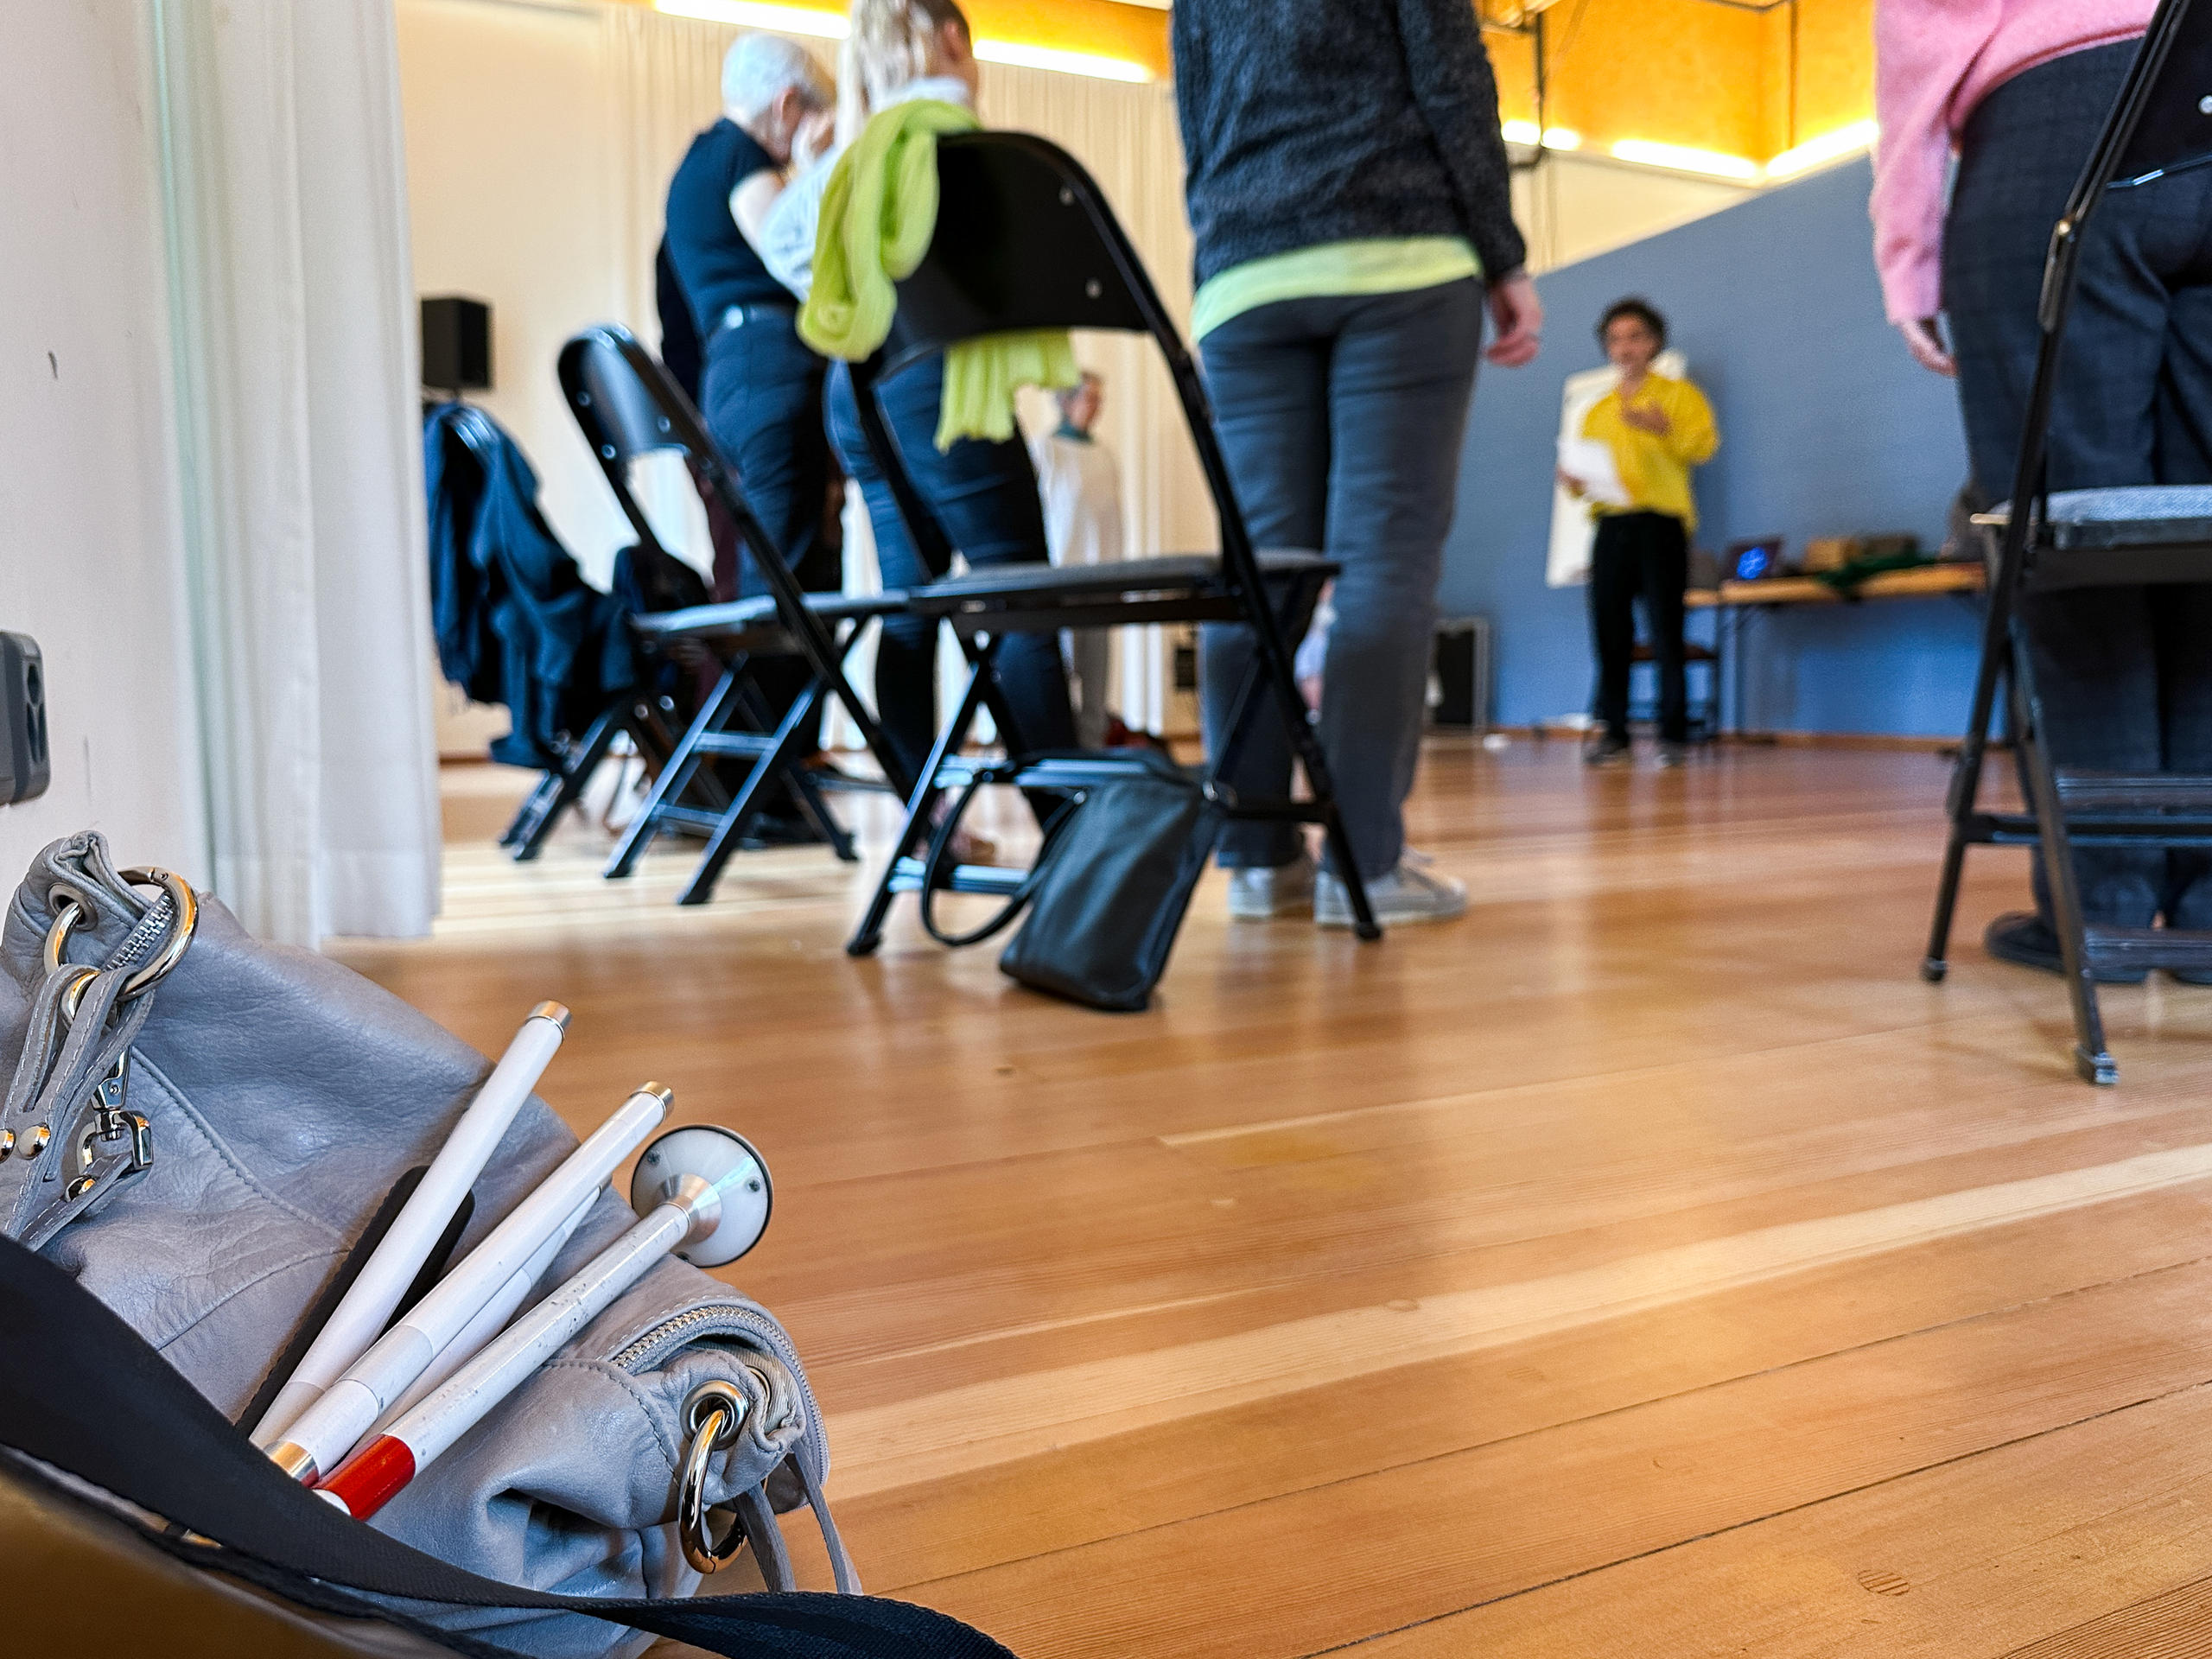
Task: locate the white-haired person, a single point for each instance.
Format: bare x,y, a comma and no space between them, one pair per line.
761,387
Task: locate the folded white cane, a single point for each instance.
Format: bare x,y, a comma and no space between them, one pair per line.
708,1197
367,1306
493,1316
320,1436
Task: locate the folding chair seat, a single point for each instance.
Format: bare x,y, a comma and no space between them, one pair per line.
2075,539
1025,240
628,406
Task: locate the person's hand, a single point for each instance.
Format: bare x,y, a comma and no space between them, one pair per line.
1925,339
1647,417
1568,482
1519,315
816,132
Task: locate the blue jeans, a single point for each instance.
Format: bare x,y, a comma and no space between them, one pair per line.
984,495
761,389
1341,419
2125,673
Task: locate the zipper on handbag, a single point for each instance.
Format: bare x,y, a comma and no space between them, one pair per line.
725,1319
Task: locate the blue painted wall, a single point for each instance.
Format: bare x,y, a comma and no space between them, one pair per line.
1827,429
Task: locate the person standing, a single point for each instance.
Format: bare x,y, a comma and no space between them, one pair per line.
1348,199
2020,89
983,493
760,388
1656,428
1082,491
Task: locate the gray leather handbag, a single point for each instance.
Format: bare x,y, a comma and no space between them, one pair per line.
199,1127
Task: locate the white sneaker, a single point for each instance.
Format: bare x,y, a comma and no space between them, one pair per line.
1408,893
1259,893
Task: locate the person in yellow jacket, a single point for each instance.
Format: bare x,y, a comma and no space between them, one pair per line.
1657,429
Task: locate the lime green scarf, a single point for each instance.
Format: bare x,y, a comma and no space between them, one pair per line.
879,211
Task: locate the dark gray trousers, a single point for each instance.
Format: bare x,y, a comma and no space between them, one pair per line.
2125,674
1342,420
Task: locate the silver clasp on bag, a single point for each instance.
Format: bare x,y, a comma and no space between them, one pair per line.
711,1416
107,1119
110,1121
184,915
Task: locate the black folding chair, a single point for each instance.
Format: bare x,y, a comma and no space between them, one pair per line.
1024,240
2161,122
628,406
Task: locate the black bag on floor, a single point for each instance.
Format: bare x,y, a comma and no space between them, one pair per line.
1110,890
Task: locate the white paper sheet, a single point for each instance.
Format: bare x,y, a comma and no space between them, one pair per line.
1589,462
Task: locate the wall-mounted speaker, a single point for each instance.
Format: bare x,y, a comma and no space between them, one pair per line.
456,344
26,761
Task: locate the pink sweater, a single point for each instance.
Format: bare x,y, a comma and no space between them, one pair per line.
1934,61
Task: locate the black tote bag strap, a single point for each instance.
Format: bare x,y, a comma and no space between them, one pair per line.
81,1390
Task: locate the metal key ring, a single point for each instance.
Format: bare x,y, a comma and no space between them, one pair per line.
73,998
184,906
712,1415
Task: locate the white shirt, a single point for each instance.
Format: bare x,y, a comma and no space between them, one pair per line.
1081,492
787,235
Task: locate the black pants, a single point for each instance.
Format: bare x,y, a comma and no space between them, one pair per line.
762,391
2125,673
1646,553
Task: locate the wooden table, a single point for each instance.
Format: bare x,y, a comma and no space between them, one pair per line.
1734,600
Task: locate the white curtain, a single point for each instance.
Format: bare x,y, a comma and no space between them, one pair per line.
292,315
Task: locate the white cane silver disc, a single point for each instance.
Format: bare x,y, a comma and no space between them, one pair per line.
727,1162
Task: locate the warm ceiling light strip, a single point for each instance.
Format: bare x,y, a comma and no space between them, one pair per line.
832,26
1829,147
1681,158
1524,132
757,14
1061,62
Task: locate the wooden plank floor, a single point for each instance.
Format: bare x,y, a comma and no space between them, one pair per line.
1648,1264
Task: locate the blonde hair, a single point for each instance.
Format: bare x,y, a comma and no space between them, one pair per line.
891,43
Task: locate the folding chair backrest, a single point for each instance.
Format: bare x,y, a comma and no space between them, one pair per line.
629,406
620,417
1024,240
2173,128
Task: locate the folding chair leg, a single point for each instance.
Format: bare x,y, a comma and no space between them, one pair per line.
674,777
1997,646
2091,1058
869,934
766,770
808,793
530,833
532,813
1934,965
1276,674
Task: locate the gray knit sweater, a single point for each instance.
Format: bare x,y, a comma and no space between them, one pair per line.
1313,121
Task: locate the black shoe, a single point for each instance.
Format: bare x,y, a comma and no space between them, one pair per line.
2023,937
1611,750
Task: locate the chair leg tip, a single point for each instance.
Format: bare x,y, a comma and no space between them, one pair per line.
2098,1069
1933,970
863,947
